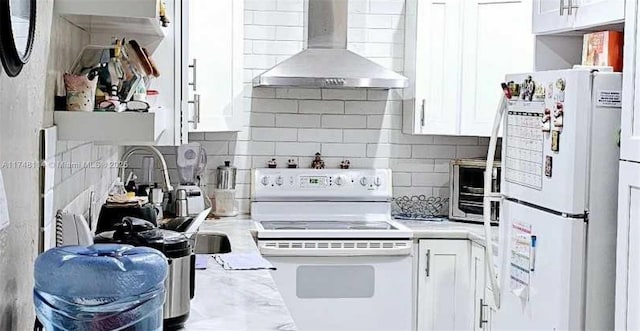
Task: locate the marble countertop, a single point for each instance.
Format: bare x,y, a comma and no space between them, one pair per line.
448,230
236,300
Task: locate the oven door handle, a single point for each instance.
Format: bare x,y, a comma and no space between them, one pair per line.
276,251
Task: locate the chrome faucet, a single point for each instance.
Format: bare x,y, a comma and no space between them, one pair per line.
156,153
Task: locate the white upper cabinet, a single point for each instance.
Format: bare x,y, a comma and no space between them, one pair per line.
490,52
213,40
437,37
457,54
630,134
551,16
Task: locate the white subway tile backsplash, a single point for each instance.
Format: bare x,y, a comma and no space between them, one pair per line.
251,148
389,151
412,165
401,179
365,136
274,105
268,47
442,165
274,134
290,5
321,107
320,135
259,62
384,95
297,148
263,120
374,107
298,93
290,33
297,121
344,121
344,150
353,94
429,179
433,152
216,147
259,32
386,7
260,4
384,122
277,18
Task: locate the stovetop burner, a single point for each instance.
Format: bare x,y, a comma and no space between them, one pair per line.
327,225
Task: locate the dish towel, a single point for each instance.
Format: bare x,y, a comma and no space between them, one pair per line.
243,261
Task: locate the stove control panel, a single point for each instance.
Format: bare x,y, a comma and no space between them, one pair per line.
323,184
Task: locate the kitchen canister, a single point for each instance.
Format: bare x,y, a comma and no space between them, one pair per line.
225,193
81,92
226,176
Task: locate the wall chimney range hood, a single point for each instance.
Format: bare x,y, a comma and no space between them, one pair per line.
327,63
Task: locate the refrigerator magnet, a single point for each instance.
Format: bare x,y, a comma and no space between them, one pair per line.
528,89
555,141
546,120
548,166
540,92
558,116
560,86
550,91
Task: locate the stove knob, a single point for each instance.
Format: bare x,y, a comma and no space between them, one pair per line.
279,180
340,180
364,181
377,181
264,180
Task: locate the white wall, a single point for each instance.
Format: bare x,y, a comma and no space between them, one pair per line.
363,126
26,106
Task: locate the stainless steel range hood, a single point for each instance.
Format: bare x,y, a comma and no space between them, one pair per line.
327,63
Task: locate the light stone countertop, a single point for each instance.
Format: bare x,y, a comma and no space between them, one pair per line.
236,300
250,300
448,230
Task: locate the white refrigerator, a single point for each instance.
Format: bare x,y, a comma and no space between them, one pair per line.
556,266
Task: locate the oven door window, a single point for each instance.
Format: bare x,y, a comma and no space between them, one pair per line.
331,281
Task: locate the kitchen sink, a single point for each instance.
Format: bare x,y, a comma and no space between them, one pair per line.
212,243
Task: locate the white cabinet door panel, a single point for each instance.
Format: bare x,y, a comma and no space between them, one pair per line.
438,52
549,17
492,51
597,12
215,41
628,249
443,285
630,135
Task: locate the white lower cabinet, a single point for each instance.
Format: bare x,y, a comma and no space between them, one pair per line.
443,285
627,316
452,289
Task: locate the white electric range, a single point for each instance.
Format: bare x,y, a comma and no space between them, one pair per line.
342,262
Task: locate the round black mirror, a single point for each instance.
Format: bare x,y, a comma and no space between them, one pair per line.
17,29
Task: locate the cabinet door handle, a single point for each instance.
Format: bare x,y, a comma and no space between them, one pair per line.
196,110
562,7
482,321
422,113
427,269
571,7
194,67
